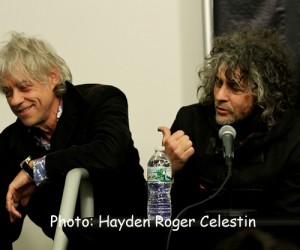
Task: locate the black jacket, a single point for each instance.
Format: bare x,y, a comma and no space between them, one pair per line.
265,171
93,132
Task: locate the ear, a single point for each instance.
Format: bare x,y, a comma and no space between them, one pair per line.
54,77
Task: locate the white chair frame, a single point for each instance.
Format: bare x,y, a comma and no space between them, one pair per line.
76,183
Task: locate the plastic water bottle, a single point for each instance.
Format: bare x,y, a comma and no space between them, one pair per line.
159,180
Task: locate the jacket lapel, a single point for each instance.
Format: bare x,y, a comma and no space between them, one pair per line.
74,108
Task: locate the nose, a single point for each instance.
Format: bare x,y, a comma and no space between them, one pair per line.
16,98
221,93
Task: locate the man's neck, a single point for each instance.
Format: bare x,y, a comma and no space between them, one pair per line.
47,128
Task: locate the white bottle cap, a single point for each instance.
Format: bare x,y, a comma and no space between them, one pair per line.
159,148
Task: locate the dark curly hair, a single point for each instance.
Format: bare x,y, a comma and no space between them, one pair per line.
266,63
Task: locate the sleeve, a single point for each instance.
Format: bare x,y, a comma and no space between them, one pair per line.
9,231
39,171
107,140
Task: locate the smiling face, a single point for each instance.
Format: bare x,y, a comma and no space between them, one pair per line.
33,102
233,98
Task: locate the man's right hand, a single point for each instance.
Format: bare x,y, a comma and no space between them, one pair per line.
19,192
178,147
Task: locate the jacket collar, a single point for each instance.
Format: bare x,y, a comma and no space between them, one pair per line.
74,109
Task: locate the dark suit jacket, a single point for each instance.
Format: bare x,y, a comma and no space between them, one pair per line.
93,132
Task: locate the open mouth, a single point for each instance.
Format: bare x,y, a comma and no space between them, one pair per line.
221,110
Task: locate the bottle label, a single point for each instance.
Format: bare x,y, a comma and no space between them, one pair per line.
157,174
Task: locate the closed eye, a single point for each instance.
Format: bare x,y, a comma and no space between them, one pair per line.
6,91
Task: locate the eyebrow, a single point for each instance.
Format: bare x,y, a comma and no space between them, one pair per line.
22,82
230,74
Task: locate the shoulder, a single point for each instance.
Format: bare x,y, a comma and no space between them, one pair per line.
196,109
290,123
7,132
15,126
97,94
194,115
192,107
294,127
93,89
13,134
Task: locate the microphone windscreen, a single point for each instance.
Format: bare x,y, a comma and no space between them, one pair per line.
227,129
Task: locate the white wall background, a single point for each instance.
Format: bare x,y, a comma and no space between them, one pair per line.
151,50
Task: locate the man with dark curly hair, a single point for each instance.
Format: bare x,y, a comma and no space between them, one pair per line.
247,82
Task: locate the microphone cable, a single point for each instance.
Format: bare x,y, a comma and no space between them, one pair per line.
229,166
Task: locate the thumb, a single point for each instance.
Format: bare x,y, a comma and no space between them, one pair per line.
166,133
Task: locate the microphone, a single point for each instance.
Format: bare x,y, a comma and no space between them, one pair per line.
227,134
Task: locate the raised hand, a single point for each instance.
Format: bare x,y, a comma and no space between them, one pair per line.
178,147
